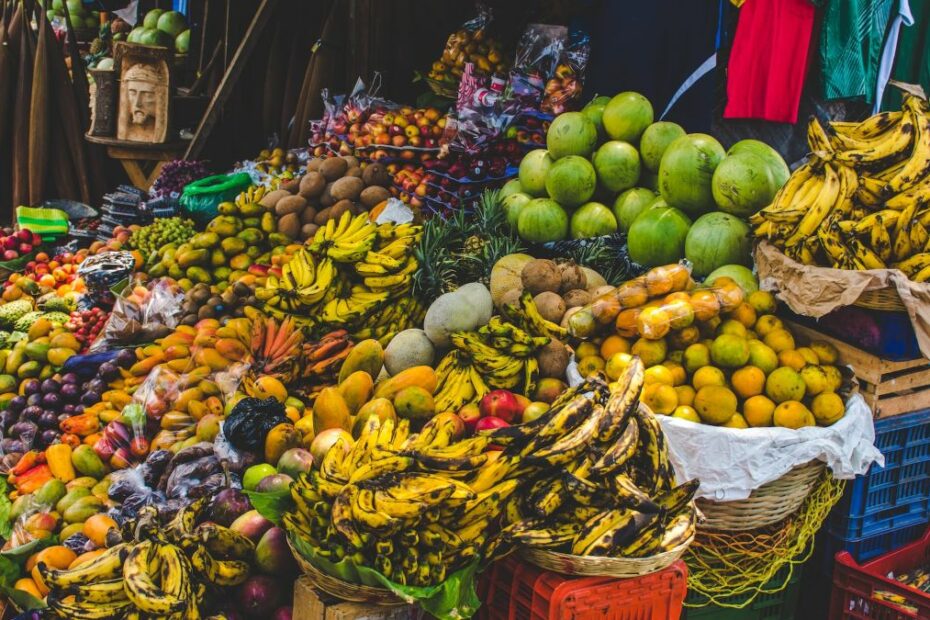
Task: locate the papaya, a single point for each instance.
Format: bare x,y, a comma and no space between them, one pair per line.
59,355
186,397
199,274
233,245
8,383
204,240
29,370
37,351
82,481
331,411
65,340
231,349
87,463
240,261
210,357
117,398
143,367
420,376
179,365
269,386
379,407
367,355
177,351
251,236
217,257
40,328
279,440
225,225
356,390
153,350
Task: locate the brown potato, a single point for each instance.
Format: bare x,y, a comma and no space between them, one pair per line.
290,204
333,168
347,188
312,185
373,194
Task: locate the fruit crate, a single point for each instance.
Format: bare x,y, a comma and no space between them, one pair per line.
889,335
864,549
890,388
895,496
516,590
855,585
767,605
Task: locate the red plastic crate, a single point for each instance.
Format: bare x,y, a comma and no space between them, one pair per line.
854,585
516,590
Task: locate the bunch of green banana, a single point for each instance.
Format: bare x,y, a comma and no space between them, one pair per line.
499,355
158,572
860,202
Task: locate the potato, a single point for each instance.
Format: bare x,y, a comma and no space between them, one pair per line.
339,208
573,277
326,198
550,306
354,172
374,194
289,225
333,168
307,215
312,185
553,360
347,188
351,161
376,174
314,164
577,297
290,204
291,186
322,217
541,275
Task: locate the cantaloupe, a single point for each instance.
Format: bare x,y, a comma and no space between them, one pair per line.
411,347
505,275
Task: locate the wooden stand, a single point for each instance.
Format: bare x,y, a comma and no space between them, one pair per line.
134,155
312,605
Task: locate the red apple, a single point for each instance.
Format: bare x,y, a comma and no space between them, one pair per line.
459,431
10,255
502,404
470,414
36,239
10,243
490,423
24,234
25,248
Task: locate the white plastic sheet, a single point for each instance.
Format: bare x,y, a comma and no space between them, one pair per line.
731,463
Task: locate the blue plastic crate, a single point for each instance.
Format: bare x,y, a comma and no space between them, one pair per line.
864,549
895,496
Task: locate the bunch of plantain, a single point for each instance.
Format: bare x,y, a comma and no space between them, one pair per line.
348,276
590,476
499,355
154,572
860,202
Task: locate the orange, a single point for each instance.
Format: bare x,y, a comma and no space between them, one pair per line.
617,364
673,297
56,556
709,327
632,294
779,339
652,352
708,375
737,421
653,323
793,414
614,344
729,351
685,394
705,304
661,398
680,312
96,528
665,279
834,378
626,322
733,327
767,323
826,352
589,365
792,359
679,375
715,404
763,302
586,349
815,380
748,381
731,295
758,411
745,314
827,408
681,338
659,374
808,354
686,412
762,356
784,384
696,356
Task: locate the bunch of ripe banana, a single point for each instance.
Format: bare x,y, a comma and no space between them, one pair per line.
251,198
346,275
860,202
499,355
394,501
156,573
599,481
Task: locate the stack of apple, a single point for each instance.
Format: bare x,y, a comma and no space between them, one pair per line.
18,243
51,272
500,408
529,131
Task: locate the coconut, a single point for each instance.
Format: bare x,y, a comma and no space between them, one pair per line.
572,277
577,297
479,297
505,276
541,275
553,360
409,348
550,306
511,298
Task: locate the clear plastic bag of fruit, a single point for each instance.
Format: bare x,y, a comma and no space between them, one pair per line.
537,56
470,43
564,87
141,314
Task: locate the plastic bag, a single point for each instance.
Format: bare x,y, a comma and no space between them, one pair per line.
564,88
202,197
141,314
538,54
470,43
250,421
102,272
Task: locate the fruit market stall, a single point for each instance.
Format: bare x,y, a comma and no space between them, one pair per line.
515,349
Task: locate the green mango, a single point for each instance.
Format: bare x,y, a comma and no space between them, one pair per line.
158,270
83,509
227,208
199,274
251,209
29,370
205,240
70,497
87,463
50,492
268,223
277,238
22,505
14,360
252,236
8,383
82,481
222,273
251,222
233,245
193,257
217,258
37,351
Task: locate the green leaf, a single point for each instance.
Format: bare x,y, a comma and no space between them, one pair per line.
21,599
20,553
271,505
6,507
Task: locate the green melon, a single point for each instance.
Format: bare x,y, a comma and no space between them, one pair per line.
657,236
718,239
686,172
655,140
743,184
631,203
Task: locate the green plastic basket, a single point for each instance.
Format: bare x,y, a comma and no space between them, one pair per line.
777,606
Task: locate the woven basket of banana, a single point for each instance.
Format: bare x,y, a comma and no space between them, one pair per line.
343,590
768,504
602,566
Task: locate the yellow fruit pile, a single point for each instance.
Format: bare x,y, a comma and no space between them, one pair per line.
740,369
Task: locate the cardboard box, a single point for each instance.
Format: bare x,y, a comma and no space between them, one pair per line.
310,604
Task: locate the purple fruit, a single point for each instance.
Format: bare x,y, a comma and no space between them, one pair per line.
7,418
125,358
228,505
252,525
67,409
17,445
63,416
259,596
26,430
16,404
70,378
50,386
31,387
6,445
90,398
31,413
70,391
48,420
96,385
34,399
272,555
295,461
78,409
51,400
108,371
49,436
274,483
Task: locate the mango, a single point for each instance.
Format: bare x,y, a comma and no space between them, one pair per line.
233,245
40,328
268,224
50,493
101,489
217,258
279,440
277,238
30,369
251,222
82,481
199,274
179,365
419,376
204,240
210,357
177,351
14,360
367,355
209,388
143,367
83,509
251,209
71,497
37,351
22,505
48,370
153,350
356,390
227,208
72,528
186,397
381,408
330,410
251,236
222,273
8,383
65,340
59,355
240,262
87,463
225,225
231,349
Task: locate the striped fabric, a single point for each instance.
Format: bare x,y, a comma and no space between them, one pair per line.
48,223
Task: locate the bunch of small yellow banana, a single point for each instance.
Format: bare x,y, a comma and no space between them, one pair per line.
346,276
499,355
860,202
163,575
590,476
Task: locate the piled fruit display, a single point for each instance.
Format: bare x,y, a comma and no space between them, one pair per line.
17,243
162,28
470,44
859,202
58,272
164,232
401,128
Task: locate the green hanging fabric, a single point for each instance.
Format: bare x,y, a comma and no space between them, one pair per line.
912,60
851,44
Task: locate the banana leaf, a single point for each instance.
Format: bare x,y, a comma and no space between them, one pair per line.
452,599
271,505
6,506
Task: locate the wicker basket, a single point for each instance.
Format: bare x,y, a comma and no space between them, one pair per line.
886,299
768,504
596,566
354,592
